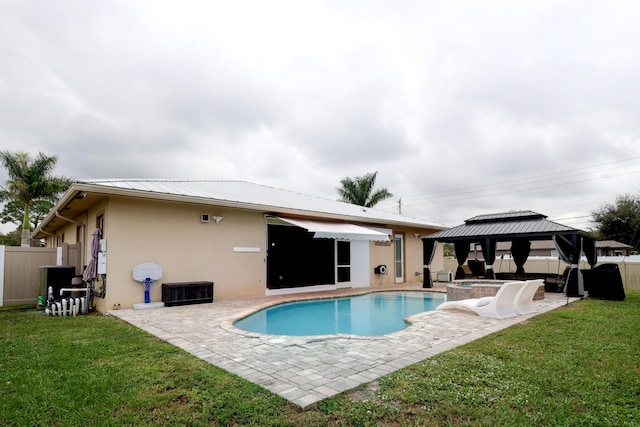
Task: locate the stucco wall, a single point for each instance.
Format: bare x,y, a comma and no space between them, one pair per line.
172,235
381,253
66,235
384,253
413,258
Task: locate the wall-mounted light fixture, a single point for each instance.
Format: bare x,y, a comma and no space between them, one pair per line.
217,219
416,235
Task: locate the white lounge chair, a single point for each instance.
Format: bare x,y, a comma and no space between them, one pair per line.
523,304
497,307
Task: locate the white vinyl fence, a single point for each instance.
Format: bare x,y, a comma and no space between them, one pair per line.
20,273
629,267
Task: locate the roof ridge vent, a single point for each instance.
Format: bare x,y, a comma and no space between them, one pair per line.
506,216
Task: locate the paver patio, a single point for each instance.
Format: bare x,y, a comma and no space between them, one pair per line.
305,370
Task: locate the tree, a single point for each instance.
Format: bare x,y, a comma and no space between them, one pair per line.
448,249
359,190
30,183
10,239
619,221
13,212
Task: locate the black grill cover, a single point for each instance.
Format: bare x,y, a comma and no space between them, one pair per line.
604,282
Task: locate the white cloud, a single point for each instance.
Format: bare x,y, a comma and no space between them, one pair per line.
437,97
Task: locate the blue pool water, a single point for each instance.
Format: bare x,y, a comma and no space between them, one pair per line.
377,313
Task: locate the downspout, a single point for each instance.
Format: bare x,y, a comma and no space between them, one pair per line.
68,219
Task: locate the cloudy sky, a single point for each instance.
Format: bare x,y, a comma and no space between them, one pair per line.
463,107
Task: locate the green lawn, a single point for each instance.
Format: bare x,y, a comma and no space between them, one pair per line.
576,366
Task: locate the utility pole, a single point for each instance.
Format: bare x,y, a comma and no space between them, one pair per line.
400,206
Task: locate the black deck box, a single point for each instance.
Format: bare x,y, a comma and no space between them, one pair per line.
184,293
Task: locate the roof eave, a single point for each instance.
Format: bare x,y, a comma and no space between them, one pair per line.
67,198
79,187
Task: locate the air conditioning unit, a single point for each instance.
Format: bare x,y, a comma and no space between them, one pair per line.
445,276
56,277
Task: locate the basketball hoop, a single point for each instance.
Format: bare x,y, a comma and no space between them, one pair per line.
148,274
148,284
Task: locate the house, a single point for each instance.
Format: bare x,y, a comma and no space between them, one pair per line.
612,248
248,239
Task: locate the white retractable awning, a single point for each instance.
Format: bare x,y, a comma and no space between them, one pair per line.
336,230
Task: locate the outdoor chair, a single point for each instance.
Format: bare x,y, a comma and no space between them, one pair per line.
498,307
477,268
523,304
463,272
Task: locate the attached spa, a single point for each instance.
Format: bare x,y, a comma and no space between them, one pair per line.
479,288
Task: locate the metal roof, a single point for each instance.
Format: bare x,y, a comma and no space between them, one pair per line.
505,226
510,216
235,194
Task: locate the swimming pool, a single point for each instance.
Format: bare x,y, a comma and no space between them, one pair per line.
373,314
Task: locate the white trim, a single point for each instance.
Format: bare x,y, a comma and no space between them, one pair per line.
360,265
342,285
401,278
245,249
2,261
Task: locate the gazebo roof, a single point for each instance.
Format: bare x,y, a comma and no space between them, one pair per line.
505,226
521,228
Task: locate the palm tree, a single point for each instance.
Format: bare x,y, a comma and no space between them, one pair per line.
30,181
359,190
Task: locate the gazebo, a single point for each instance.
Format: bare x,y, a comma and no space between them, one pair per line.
519,228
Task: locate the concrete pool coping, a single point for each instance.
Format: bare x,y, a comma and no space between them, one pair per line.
306,370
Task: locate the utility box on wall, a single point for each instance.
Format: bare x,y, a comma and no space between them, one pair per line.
102,263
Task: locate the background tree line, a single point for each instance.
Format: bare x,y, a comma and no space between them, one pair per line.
619,221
